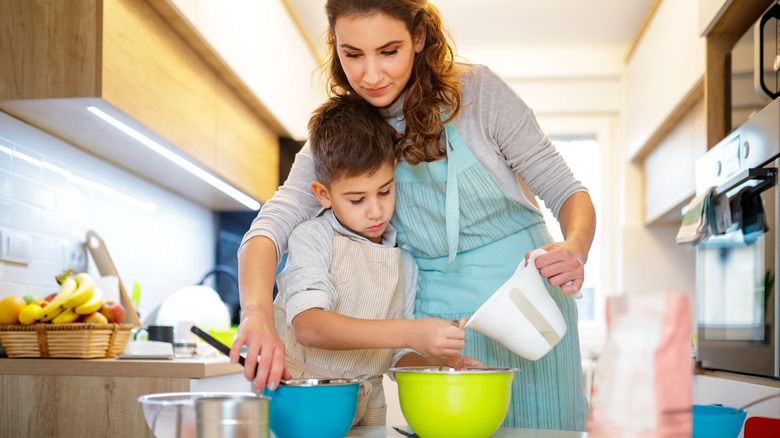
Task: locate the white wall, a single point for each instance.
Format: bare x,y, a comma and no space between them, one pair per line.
163,242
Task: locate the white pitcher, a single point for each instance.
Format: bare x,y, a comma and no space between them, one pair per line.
521,314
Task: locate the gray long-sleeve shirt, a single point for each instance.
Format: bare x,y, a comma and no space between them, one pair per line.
495,123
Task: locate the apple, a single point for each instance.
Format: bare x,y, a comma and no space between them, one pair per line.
114,312
49,298
94,318
42,302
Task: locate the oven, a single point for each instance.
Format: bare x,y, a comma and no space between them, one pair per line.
736,289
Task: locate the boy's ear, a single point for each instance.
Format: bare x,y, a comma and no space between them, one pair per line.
321,192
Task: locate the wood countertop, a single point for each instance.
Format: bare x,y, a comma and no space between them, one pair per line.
195,368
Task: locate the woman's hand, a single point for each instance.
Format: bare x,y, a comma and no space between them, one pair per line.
434,337
562,266
564,263
264,361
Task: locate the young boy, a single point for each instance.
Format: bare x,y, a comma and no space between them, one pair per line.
346,297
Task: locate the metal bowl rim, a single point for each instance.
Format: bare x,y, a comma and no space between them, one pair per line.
188,398
303,382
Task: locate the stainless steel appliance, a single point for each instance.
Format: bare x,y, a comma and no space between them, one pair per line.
736,292
755,67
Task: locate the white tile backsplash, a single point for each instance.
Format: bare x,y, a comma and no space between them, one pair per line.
56,192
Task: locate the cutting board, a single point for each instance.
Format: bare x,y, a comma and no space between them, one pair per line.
106,266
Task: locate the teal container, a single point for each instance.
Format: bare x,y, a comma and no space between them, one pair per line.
306,408
710,421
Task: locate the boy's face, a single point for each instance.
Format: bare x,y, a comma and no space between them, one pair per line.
364,203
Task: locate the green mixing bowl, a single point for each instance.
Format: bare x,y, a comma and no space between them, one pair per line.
454,404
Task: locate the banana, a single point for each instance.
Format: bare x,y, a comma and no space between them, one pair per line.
93,305
84,292
69,315
54,308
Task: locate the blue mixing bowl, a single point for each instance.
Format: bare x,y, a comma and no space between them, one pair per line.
711,421
306,408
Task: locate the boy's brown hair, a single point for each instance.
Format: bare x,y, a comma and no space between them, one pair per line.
349,137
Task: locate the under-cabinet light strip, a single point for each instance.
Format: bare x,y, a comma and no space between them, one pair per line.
123,197
178,160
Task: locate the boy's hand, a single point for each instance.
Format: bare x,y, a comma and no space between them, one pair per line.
434,337
462,362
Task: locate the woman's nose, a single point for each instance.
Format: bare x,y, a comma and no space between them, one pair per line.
373,72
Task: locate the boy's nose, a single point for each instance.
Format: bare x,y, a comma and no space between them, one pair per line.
374,210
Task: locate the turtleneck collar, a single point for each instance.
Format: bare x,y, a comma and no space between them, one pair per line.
394,113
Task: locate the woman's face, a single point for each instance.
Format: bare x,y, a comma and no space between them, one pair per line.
377,53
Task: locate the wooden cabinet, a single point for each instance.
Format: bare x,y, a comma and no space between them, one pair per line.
64,398
129,61
733,21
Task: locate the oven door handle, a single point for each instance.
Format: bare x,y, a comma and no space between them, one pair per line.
767,176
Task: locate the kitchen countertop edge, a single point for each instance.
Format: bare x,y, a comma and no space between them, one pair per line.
181,368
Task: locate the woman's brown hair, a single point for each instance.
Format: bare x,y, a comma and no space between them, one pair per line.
433,85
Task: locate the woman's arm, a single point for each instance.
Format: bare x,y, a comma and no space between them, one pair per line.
261,248
565,261
530,154
256,273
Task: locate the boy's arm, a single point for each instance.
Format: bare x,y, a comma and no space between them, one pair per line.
330,330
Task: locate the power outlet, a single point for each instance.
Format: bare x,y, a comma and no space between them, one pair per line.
74,256
15,246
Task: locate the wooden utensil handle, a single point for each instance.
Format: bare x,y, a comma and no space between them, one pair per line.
106,267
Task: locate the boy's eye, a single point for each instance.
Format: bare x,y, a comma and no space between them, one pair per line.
356,201
385,193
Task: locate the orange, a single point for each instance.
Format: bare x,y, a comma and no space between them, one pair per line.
10,307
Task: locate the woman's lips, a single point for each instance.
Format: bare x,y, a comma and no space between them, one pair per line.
377,91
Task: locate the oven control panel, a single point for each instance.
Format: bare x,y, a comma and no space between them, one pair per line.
751,145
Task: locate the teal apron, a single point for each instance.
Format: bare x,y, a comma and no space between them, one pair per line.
466,255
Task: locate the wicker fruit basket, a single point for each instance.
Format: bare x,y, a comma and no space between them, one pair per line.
80,341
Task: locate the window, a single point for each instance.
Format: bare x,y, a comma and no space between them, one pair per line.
584,158
587,158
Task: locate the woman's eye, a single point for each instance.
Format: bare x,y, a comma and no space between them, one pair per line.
352,55
390,52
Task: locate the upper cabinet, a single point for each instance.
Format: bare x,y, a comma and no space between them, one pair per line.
665,69
147,68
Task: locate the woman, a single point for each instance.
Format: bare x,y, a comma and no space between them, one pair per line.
467,139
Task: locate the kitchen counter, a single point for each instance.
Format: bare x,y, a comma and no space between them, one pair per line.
98,397
194,368
504,432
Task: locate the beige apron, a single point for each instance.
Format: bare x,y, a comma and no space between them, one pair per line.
369,284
